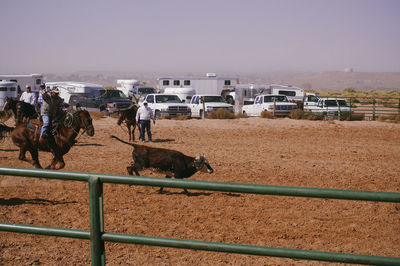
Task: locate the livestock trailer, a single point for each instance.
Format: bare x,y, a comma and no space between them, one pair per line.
209,84
33,80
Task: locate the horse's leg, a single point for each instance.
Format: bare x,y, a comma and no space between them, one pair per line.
35,157
62,163
128,125
133,131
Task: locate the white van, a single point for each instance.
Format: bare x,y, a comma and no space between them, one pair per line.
7,89
185,94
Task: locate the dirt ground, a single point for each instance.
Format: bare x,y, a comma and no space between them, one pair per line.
358,155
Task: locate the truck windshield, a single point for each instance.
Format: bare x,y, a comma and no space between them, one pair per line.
268,99
167,98
335,102
147,90
213,99
112,94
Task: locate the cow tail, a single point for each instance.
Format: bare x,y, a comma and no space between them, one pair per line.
131,144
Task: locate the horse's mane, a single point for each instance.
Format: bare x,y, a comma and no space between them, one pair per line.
129,113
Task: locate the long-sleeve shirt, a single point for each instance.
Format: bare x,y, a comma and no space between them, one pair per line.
51,105
144,113
28,97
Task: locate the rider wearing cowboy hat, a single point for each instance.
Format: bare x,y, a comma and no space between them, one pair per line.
51,107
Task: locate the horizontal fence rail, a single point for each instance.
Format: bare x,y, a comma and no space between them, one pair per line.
369,108
97,236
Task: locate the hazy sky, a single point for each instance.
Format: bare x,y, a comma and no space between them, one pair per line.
199,36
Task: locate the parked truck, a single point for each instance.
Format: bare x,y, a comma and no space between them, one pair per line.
272,103
330,107
209,103
167,105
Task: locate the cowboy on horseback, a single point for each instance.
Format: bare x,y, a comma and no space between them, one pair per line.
51,109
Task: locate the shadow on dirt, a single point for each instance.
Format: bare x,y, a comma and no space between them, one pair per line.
163,140
89,144
190,194
18,201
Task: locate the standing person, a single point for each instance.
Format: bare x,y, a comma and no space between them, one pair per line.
143,116
51,106
28,96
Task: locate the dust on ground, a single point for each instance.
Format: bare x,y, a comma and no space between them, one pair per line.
362,155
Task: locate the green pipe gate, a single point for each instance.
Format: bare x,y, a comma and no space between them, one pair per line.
97,236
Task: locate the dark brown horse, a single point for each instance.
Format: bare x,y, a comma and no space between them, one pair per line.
27,138
128,116
22,111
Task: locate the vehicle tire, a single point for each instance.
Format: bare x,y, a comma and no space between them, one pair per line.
201,114
157,115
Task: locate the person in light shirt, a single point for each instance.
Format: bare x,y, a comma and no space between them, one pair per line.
28,96
143,116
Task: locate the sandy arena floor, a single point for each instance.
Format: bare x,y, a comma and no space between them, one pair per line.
324,154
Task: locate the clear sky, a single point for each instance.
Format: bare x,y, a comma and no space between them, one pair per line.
199,36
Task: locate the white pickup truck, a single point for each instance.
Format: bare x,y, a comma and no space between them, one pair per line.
168,105
273,103
211,103
329,106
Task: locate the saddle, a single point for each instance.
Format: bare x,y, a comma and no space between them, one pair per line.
36,126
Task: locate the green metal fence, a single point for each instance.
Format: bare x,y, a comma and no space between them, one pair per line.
370,108
97,236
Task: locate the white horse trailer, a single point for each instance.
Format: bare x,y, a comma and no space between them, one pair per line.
7,89
185,94
293,93
33,80
70,89
127,85
209,84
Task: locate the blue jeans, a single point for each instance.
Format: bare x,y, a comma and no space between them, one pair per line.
145,125
46,124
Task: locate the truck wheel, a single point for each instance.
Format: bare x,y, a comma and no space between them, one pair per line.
157,115
201,114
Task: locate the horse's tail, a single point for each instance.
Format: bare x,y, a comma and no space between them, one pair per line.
131,144
4,131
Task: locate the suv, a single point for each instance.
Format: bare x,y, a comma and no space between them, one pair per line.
332,107
167,105
105,100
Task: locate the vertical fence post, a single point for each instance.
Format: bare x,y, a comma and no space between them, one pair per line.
398,108
373,109
96,221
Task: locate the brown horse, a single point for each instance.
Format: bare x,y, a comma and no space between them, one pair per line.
128,116
22,111
27,138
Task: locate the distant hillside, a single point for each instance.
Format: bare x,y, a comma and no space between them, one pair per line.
307,80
